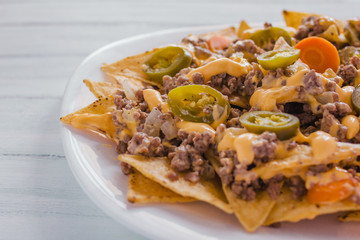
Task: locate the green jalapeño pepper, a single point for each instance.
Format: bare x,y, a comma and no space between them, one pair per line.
278,58
167,61
198,103
267,37
283,125
355,99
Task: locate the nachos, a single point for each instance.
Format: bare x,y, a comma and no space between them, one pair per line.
259,122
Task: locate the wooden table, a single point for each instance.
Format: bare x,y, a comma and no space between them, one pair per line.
41,43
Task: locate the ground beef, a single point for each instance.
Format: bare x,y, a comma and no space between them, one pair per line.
297,187
316,169
274,186
310,26
247,45
355,61
142,144
202,53
330,110
302,111
189,155
339,109
126,168
313,83
253,79
121,101
179,79
274,75
195,41
348,73
227,84
264,147
198,78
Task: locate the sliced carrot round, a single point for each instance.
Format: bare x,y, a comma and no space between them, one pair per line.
332,192
319,54
217,42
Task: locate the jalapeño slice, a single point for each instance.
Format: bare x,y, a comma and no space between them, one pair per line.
355,99
283,125
198,103
167,61
266,37
278,58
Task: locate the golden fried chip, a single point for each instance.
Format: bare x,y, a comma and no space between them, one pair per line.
251,214
158,168
350,217
144,190
129,69
229,33
96,117
242,27
102,89
291,210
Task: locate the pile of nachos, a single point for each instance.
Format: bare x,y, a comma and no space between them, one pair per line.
262,122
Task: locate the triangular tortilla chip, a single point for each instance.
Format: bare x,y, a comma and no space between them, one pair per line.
102,89
158,168
96,117
350,217
144,190
291,210
129,69
251,214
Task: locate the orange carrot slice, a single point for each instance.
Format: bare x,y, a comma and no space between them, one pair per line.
319,54
332,192
217,42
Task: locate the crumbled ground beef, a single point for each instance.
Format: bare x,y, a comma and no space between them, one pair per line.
274,75
142,144
316,169
264,147
297,187
227,84
330,112
248,46
121,101
313,83
355,61
253,79
126,168
195,41
179,79
198,78
274,185
189,156
348,73
310,26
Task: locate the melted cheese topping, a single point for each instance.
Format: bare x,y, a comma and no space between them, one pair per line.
345,94
222,65
100,123
195,127
323,179
353,125
320,141
243,146
153,98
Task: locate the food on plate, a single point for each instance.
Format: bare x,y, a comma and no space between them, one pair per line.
259,122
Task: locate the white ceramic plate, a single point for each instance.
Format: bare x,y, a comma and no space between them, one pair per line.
93,163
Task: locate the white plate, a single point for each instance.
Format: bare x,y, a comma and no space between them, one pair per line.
93,163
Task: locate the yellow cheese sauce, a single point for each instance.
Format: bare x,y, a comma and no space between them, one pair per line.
153,99
195,127
222,65
353,125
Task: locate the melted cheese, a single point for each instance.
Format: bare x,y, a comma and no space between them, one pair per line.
195,127
353,125
222,65
322,179
320,141
100,123
227,142
153,99
243,146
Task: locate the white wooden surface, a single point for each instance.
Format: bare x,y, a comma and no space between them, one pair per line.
41,43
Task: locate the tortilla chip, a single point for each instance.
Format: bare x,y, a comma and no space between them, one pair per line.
144,190
251,214
102,89
350,217
96,117
290,210
229,33
129,69
293,19
157,169
242,27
